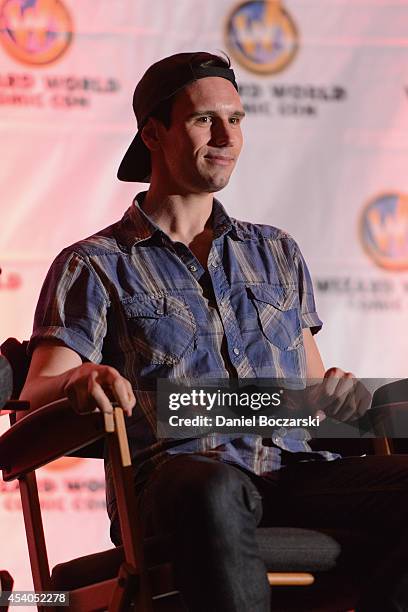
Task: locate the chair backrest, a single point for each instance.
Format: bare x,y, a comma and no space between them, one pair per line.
16,354
6,381
392,393
391,403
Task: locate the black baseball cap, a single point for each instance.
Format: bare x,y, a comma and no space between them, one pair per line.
160,82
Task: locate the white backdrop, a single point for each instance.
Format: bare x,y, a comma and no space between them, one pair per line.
325,87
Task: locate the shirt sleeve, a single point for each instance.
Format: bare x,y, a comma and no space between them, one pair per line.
72,307
309,315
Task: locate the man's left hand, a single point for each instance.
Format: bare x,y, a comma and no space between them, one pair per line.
341,396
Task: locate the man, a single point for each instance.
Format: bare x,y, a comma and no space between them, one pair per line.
179,289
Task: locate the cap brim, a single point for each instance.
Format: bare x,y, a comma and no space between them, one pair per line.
135,166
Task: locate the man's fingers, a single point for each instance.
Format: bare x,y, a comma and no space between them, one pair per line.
330,392
78,397
363,400
131,395
98,394
124,394
338,392
330,380
348,410
347,399
118,388
96,386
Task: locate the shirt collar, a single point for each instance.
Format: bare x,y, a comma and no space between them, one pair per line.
135,226
224,224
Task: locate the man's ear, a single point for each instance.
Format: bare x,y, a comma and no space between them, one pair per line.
150,134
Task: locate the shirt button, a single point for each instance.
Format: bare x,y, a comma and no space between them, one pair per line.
192,268
214,264
276,439
236,351
159,311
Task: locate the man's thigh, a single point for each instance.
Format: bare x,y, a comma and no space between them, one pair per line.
195,483
188,486
362,492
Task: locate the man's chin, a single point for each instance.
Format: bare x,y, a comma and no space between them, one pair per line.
216,183
204,182
218,187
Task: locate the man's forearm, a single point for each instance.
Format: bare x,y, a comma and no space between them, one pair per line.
46,389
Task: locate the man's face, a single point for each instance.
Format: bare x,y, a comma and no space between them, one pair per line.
201,147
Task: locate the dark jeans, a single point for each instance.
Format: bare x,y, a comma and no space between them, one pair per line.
212,510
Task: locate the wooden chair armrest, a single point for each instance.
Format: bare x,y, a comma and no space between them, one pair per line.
15,406
48,433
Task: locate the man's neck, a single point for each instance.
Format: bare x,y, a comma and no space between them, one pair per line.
184,218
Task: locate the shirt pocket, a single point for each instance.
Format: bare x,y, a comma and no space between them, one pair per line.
277,311
162,328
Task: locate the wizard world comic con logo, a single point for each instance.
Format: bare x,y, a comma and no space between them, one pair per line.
35,32
384,230
261,36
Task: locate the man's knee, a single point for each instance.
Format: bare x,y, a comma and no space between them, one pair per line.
220,484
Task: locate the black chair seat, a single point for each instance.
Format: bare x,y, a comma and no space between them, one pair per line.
297,550
104,565
284,549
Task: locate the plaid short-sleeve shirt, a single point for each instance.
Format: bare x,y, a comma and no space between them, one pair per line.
132,298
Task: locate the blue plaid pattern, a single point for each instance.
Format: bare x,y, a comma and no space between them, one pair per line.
130,297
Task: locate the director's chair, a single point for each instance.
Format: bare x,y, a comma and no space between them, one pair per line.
137,576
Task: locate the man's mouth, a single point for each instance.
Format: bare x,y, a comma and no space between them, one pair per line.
221,160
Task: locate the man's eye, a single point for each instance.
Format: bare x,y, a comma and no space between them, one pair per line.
204,119
234,120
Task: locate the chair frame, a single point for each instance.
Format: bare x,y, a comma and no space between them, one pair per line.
45,435
55,430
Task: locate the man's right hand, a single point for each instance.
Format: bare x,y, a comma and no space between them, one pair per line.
91,386
57,371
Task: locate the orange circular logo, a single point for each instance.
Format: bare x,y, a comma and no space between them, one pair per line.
384,230
35,32
262,36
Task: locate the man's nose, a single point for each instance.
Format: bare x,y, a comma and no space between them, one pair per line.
222,134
